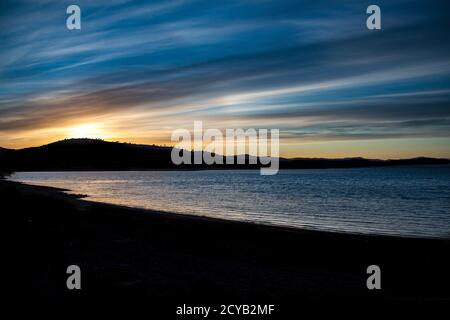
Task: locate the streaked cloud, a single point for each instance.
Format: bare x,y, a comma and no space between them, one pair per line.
313,70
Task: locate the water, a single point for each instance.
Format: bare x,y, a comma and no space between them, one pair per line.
406,201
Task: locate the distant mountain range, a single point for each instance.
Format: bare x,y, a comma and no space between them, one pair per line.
94,154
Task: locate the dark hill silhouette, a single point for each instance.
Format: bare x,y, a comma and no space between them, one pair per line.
86,154
96,154
358,162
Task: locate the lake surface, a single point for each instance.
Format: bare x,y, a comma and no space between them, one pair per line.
407,201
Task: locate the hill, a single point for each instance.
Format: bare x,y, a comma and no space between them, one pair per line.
86,154
95,154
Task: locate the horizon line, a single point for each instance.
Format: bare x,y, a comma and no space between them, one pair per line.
171,147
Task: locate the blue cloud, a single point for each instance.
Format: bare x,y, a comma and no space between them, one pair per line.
275,62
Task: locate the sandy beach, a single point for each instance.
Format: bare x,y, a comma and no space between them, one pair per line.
165,260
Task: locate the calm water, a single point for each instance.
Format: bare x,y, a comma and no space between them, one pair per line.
411,201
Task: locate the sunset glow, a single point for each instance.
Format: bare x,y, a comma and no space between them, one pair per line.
332,87
86,131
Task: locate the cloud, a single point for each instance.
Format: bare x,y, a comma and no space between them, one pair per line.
312,72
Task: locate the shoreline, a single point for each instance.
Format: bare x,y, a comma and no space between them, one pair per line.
143,210
62,193
176,215
141,254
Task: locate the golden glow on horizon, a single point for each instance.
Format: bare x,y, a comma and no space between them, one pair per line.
86,131
119,130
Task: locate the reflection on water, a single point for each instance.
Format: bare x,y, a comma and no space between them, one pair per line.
399,200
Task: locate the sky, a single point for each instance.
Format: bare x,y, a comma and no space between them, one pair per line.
138,70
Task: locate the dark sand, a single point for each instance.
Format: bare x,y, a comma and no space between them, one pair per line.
163,260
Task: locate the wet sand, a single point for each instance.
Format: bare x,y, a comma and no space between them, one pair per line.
164,260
